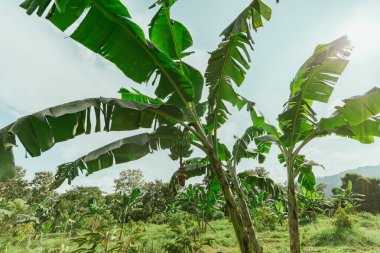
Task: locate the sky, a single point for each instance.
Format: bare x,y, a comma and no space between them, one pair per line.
41,67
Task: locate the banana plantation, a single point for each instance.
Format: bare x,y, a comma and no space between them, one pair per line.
212,202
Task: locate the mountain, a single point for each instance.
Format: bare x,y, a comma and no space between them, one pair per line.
334,180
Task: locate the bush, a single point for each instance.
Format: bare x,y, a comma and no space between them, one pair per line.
366,219
218,215
23,233
342,219
366,216
333,236
264,218
158,219
186,234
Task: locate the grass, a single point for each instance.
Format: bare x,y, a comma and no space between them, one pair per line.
318,236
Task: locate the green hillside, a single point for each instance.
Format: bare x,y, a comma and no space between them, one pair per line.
334,180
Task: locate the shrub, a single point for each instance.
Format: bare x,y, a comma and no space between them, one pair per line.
186,234
342,219
158,218
264,218
366,219
218,215
333,236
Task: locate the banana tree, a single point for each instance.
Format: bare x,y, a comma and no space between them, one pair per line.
128,203
358,119
230,160
106,28
346,198
311,203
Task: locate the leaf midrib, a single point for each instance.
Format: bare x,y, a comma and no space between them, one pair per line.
142,45
220,80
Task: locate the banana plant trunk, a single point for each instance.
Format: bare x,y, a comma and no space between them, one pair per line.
294,235
247,241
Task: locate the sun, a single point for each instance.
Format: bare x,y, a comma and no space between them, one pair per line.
363,31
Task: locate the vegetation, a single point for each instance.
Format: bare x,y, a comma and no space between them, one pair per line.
367,189
182,223
179,122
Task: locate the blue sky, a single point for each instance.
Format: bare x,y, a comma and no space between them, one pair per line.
40,67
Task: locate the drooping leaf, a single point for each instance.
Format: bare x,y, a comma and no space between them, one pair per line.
118,152
263,183
365,132
314,81
7,163
241,148
357,119
40,131
306,178
107,30
259,121
135,95
229,63
303,169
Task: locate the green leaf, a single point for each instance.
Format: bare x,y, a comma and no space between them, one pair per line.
349,186
7,163
107,30
196,79
223,153
134,194
250,17
259,121
240,149
137,96
357,118
364,132
40,131
263,183
118,152
354,111
201,109
314,81
229,63
303,169
306,177
169,35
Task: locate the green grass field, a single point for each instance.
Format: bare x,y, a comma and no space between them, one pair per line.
318,236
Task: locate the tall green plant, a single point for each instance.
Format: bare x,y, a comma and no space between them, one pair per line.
298,123
106,28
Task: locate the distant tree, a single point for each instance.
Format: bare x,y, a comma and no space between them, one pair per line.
73,203
320,188
156,197
261,171
345,198
368,187
40,186
16,188
129,180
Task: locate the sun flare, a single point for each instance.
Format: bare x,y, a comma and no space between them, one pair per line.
363,31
